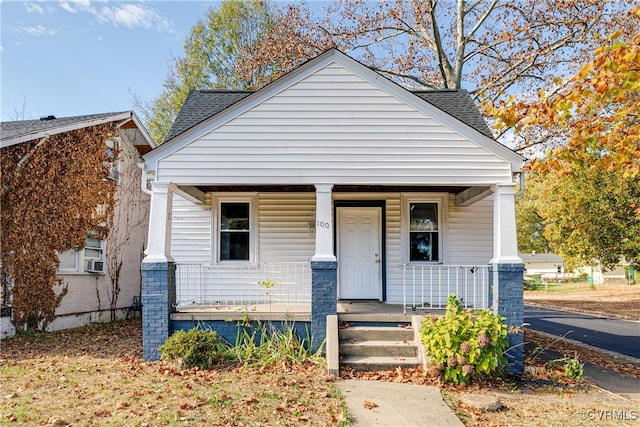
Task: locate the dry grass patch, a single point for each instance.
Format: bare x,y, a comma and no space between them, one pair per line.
546,397
528,406
95,376
584,354
621,301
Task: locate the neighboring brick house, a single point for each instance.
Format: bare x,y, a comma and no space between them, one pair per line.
88,272
337,184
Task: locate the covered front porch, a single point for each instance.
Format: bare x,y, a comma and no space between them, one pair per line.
308,255
285,288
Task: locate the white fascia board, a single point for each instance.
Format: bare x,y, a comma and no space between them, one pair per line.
61,129
333,55
141,128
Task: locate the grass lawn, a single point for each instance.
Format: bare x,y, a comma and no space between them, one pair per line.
622,301
95,376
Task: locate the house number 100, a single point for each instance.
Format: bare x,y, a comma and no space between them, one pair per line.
322,224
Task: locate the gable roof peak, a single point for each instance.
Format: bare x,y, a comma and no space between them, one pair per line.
455,107
203,104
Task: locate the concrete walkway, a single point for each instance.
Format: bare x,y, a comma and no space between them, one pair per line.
381,403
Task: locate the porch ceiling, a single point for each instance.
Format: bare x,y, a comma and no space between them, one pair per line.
336,188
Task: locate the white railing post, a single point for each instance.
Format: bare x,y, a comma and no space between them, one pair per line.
404,288
207,285
444,280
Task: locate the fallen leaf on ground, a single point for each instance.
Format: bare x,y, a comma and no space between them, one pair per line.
370,405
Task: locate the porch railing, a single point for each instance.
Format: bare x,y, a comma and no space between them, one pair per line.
428,286
240,284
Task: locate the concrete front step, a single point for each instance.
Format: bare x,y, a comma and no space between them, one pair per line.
379,348
364,363
366,344
376,333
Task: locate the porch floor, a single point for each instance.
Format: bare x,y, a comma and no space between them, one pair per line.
372,311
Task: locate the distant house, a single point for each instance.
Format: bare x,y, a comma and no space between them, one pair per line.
542,263
87,272
551,266
597,275
338,185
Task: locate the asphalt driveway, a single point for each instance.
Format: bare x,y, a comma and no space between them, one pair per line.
620,336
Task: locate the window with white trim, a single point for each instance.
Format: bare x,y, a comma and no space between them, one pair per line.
424,237
235,231
90,259
422,229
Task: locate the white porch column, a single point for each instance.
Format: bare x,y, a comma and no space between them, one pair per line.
159,242
324,226
505,237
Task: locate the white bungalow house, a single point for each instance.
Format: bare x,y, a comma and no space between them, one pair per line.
335,184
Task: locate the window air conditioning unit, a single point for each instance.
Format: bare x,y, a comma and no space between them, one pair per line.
96,266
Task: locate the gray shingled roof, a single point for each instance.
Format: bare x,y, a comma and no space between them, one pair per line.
25,127
457,103
201,105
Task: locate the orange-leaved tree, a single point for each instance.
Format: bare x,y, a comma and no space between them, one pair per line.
588,196
594,117
54,192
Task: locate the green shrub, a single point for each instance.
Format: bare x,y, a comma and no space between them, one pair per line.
533,282
574,369
466,347
195,348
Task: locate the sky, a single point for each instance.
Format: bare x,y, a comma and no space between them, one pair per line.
67,58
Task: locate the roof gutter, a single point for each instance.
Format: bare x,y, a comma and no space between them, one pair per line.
56,130
520,192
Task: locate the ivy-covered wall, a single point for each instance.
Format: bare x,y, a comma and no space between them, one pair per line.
54,191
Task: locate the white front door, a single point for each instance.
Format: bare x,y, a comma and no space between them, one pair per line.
359,253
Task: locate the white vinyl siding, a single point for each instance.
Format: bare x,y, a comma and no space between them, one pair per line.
333,126
286,227
470,232
191,226
285,231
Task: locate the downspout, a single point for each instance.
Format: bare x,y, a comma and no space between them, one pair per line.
521,190
143,179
